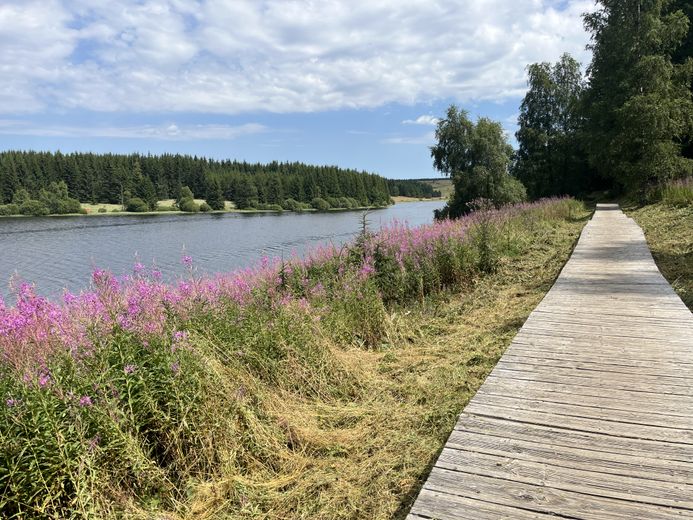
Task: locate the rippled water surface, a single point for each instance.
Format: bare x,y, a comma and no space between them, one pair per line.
60,252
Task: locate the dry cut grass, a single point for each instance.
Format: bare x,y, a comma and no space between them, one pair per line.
366,457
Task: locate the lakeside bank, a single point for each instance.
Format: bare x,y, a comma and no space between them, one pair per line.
318,388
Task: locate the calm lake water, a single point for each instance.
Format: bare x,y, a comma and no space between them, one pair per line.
60,252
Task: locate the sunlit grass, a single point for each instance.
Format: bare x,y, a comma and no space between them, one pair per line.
318,388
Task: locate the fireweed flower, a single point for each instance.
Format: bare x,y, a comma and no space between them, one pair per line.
44,379
138,268
35,329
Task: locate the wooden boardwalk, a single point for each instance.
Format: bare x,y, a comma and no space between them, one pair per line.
589,414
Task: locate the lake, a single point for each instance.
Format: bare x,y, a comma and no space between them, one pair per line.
60,252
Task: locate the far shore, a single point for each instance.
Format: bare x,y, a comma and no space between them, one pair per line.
399,199
113,210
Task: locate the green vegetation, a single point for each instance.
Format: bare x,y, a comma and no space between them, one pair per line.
444,186
136,205
320,389
414,188
551,157
51,200
678,193
638,105
477,157
669,232
625,128
116,179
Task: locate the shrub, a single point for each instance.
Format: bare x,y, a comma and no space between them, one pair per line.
294,205
102,210
270,207
205,208
290,204
344,202
9,209
137,205
33,208
188,205
320,204
511,191
185,193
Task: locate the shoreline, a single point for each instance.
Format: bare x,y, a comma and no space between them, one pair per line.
178,212
397,200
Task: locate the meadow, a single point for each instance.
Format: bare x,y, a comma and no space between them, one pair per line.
320,387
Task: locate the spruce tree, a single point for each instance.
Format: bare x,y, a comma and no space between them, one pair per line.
638,103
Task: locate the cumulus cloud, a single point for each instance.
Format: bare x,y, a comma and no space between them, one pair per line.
422,120
282,56
168,132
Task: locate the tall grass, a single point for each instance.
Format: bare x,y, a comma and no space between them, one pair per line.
678,193
140,396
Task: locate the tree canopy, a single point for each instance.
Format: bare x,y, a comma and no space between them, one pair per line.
109,178
638,106
550,159
477,157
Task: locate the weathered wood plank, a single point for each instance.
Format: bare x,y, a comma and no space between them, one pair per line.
571,438
589,414
582,480
540,450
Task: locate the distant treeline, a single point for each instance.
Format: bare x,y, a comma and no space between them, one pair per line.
115,179
411,188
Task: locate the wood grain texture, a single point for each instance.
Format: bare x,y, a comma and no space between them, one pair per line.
589,414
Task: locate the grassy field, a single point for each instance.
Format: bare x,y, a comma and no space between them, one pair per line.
443,185
323,389
669,233
399,199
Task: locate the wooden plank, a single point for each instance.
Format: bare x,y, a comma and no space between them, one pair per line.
519,353
579,480
588,409
578,457
548,417
444,506
661,404
622,373
544,499
594,380
555,434
589,414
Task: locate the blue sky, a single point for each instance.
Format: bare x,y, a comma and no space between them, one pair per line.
357,83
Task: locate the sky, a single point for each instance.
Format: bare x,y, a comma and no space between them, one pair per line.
355,83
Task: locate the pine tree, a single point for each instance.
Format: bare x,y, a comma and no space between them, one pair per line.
215,195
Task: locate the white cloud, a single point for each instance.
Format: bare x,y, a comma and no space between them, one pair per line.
168,132
422,120
234,56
